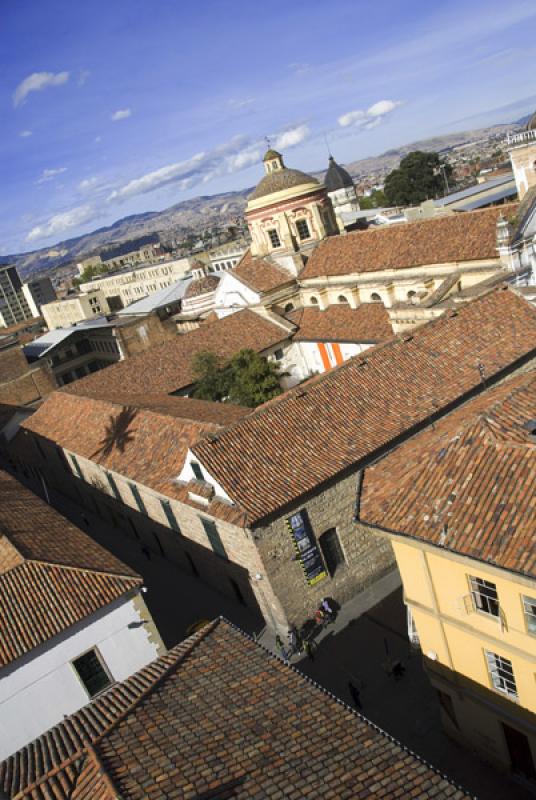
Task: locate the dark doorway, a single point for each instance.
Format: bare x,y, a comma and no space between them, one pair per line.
191,562
519,751
238,592
331,550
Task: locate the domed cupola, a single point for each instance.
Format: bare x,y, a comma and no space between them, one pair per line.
341,192
337,177
288,211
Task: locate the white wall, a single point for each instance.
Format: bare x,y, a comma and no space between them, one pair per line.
311,354
38,690
231,293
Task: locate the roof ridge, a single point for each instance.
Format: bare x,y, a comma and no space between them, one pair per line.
89,570
79,753
347,707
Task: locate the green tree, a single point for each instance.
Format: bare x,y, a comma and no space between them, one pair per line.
253,379
375,200
248,379
420,176
211,377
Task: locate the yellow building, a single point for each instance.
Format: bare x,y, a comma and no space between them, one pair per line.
457,502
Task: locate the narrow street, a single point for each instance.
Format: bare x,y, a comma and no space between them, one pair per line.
368,635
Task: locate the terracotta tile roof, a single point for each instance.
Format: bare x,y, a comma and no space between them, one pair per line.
51,574
467,236
340,323
315,431
146,442
203,285
167,368
219,717
469,484
260,274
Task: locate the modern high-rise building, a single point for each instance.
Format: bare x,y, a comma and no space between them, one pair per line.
20,301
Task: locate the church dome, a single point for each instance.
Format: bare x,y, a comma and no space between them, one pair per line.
337,177
531,124
279,180
271,154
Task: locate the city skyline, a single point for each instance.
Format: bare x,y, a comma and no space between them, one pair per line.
106,120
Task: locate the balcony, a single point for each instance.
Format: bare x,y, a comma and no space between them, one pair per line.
516,139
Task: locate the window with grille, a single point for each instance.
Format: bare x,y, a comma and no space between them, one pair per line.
501,674
113,486
198,472
529,607
331,550
76,466
303,229
274,238
484,595
214,537
170,516
92,672
137,497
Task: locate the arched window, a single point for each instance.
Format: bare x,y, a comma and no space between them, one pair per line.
375,297
313,300
289,307
342,299
331,550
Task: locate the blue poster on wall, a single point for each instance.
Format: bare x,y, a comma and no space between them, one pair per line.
306,547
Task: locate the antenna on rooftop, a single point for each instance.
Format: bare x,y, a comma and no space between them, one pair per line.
327,144
268,142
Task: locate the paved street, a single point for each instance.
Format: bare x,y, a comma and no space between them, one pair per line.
369,633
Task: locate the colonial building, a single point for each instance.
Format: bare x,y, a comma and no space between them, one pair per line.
219,717
263,506
288,213
522,152
342,193
407,264
73,620
253,283
456,502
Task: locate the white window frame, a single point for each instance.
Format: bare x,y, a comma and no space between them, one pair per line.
501,674
104,666
529,612
484,593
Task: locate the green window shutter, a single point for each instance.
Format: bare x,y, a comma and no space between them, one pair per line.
170,516
76,466
214,537
137,498
113,486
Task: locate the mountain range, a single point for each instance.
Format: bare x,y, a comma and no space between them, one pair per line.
199,213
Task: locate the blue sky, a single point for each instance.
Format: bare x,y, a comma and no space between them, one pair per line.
112,108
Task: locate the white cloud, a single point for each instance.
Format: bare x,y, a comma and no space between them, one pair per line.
383,107
48,174
292,137
36,82
370,118
83,75
350,118
88,184
25,134
238,105
98,139
59,223
300,67
122,113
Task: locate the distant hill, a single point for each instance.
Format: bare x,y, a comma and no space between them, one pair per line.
195,215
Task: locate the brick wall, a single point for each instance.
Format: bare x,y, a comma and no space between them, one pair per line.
20,383
144,333
366,557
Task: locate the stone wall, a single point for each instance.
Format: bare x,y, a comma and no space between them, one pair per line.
367,557
20,383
